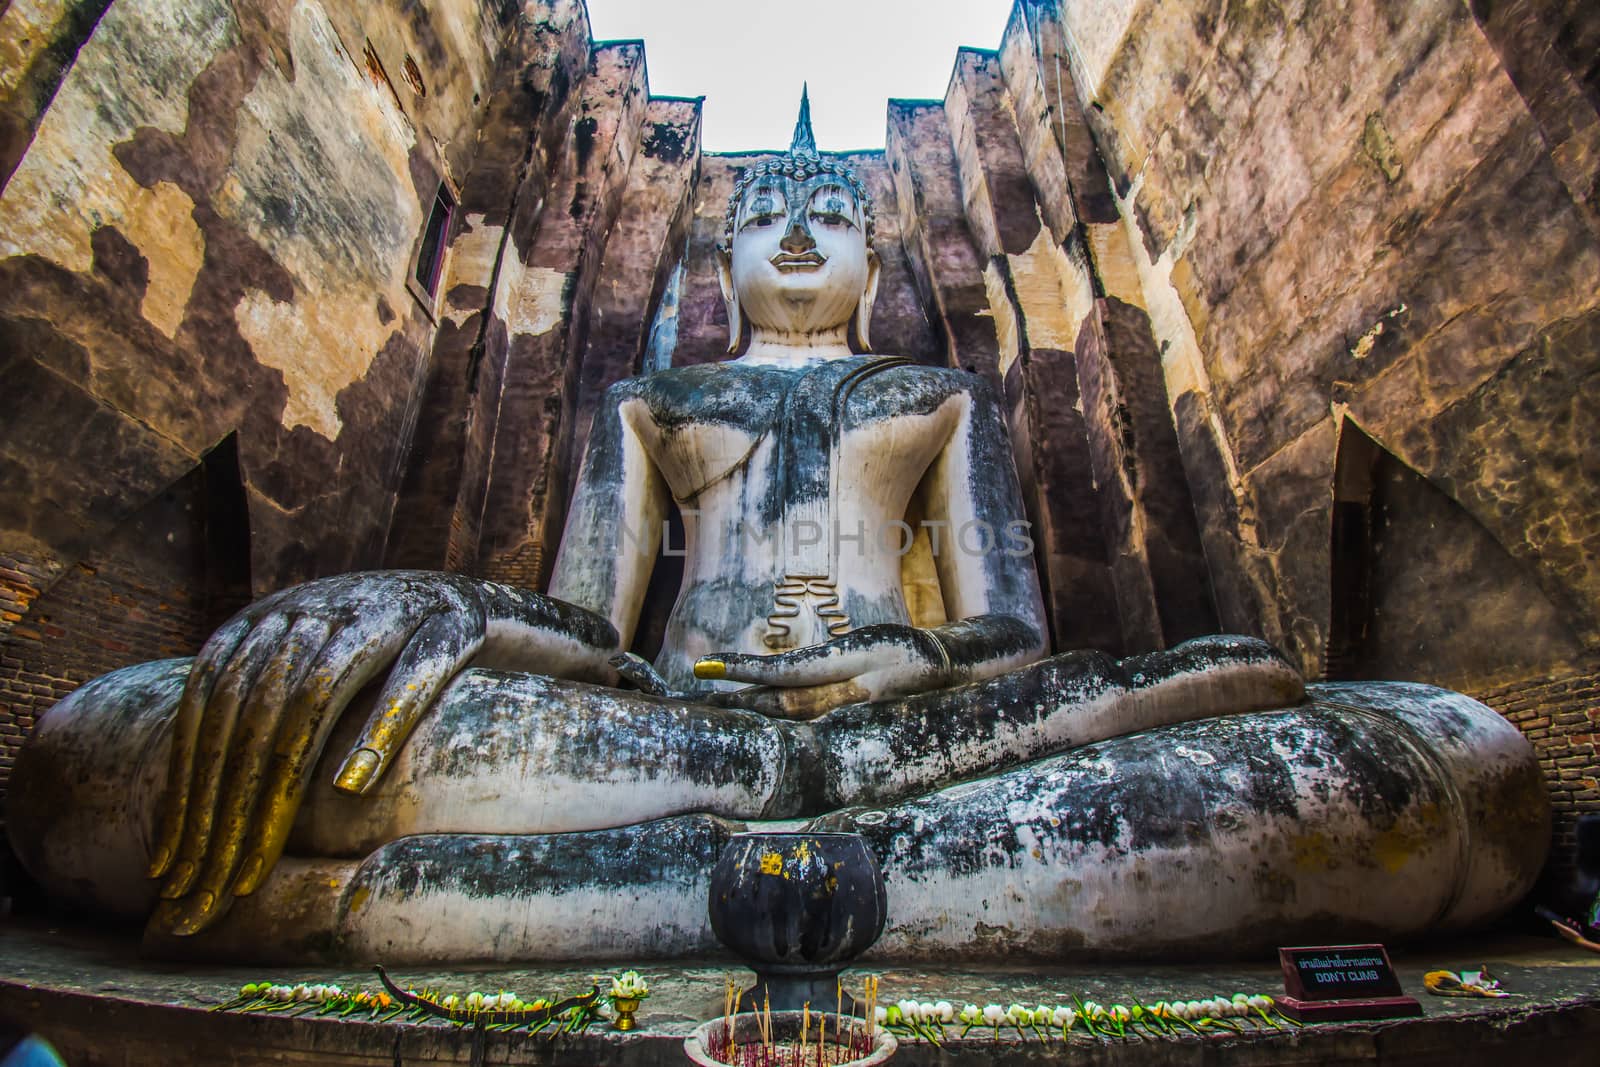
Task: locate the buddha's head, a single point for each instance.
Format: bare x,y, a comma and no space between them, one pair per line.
796,257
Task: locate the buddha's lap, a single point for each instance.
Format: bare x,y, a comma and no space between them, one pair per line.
1331,820
1325,806
521,753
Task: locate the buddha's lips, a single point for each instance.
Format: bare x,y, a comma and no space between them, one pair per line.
803,261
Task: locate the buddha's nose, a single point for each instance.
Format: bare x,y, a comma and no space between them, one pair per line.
797,238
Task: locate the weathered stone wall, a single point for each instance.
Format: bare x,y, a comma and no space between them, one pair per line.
208,215
1378,222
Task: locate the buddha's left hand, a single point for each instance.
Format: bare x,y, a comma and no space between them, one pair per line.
876,662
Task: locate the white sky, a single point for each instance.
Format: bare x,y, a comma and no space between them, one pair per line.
748,58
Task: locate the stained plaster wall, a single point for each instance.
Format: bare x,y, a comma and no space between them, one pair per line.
1378,219
207,220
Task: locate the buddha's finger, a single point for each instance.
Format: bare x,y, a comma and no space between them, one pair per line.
245,769
228,695
816,665
440,646
185,733
349,661
800,702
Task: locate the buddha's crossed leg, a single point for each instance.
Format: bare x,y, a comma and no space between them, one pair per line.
534,818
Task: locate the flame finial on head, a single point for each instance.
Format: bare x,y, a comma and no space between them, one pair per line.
801,163
804,140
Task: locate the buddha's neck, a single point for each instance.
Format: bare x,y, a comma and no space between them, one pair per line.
779,347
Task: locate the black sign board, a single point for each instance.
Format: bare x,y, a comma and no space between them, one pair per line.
1326,983
1338,972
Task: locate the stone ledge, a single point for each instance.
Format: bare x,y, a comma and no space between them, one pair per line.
91,996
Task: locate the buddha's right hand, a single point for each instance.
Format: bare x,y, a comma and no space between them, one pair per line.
268,687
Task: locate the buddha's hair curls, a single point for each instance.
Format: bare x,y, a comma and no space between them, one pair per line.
798,165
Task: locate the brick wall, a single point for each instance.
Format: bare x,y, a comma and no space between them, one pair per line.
153,590
1560,713
100,615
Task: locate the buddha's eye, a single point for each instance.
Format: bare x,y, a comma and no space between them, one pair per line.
763,209
831,206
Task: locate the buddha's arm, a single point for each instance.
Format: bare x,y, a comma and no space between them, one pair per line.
984,557
615,521
268,687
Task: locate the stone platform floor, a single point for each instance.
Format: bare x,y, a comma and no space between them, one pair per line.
90,993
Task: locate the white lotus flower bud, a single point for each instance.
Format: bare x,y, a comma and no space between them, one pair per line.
1063,1017
1196,1010
475,1000
944,1011
1018,1015
1120,1013
1240,998
971,1015
451,1001
880,1014
927,1011
1260,1003
993,1014
909,1010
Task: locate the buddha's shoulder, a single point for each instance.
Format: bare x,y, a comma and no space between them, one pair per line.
893,387
910,387
698,378
707,392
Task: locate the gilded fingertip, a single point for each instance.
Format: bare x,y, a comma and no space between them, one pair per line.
249,876
710,669
194,914
357,772
159,863
179,880
167,916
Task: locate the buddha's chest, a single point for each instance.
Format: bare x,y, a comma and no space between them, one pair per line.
765,435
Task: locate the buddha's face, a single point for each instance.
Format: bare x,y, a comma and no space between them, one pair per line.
800,261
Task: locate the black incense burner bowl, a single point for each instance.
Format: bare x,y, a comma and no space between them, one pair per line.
798,908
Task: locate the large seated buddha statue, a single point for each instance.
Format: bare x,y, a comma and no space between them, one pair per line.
414,766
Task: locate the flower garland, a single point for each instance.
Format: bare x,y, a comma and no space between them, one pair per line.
503,1010
927,1020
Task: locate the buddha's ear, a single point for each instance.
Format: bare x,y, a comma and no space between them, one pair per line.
860,325
730,298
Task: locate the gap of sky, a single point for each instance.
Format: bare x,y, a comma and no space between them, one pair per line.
748,58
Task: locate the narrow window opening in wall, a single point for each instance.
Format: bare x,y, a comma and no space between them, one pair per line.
226,517
430,258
